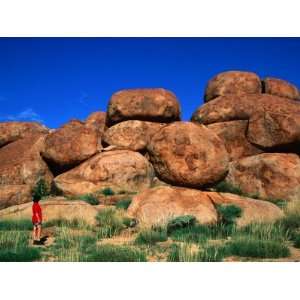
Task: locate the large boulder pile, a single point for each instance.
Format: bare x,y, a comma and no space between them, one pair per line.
246,137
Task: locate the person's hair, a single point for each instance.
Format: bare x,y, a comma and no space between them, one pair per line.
35,200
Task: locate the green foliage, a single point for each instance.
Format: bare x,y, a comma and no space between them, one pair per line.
251,247
26,254
291,221
281,203
180,222
74,223
226,187
89,198
108,192
228,214
110,223
40,190
212,253
16,224
152,236
295,238
123,204
111,253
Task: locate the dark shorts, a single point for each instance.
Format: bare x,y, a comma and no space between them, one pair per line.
37,224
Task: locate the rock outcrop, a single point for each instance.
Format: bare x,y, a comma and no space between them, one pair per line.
267,175
187,154
97,120
14,194
13,131
119,170
232,82
157,105
157,206
133,134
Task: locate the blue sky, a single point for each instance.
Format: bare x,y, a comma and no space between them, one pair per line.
55,79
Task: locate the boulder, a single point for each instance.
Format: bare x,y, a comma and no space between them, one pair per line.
233,134
12,131
133,134
268,175
119,170
54,208
14,194
282,88
273,120
157,206
187,154
97,120
21,162
156,105
71,144
232,82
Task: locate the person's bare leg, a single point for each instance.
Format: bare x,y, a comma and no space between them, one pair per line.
33,233
39,230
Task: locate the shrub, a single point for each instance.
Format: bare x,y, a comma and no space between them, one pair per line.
151,236
108,192
183,253
228,214
295,238
226,187
89,198
40,190
16,224
212,253
26,254
111,253
279,202
251,247
291,221
110,222
74,223
123,204
180,222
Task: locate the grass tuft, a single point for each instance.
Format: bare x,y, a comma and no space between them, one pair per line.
151,236
181,222
15,224
89,198
123,204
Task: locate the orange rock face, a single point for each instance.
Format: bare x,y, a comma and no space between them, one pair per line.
71,144
118,170
233,134
14,194
133,134
12,131
97,120
187,154
157,105
269,175
157,206
232,82
21,162
282,88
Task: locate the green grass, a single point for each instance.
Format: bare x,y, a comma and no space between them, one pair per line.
108,192
181,222
111,253
226,187
256,248
212,253
123,204
14,246
74,223
16,224
228,214
151,236
89,198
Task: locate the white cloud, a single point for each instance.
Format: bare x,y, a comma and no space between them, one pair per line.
26,115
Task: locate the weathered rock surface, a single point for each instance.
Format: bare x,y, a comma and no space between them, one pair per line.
119,170
133,134
157,105
21,162
14,194
97,120
12,131
158,205
187,154
282,88
233,134
232,82
54,208
269,175
71,144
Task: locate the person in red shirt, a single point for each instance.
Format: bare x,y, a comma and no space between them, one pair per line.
37,219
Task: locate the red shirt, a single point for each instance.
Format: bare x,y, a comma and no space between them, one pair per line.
36,213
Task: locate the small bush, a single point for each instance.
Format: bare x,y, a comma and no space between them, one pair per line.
226,187
111,253
180,222
107,192
295,238
279,202
17,224
40,190
89,198
228,214
291,221
26,254
212,253
123,204
250,247
152,236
